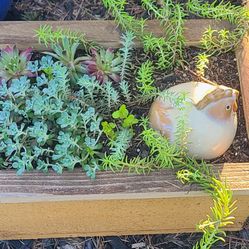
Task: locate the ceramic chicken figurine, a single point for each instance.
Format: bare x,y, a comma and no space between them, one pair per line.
211,117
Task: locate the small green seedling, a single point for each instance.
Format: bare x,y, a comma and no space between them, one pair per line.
121,113
128,119
108,129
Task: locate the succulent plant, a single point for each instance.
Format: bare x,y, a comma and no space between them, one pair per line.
66,54
13,63
104,65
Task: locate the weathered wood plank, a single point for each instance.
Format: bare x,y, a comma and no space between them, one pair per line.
76,183
242,55
36,205
108,215
102,31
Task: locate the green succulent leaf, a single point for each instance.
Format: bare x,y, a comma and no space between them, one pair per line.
108,129
121,113
129,121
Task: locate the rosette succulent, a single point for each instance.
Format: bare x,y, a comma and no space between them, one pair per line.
13,63
66,53
104,65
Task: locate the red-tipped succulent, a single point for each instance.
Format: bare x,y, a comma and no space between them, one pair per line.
13,63
104,65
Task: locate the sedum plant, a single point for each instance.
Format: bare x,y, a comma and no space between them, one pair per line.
221,212
202,63
48,36
103,98
104,65
145,81
126,53
66,54
168,49
107,65
13,63
43,127
215,41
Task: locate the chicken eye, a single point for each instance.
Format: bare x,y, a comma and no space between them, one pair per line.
228,107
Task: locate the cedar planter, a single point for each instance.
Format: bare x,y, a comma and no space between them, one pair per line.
36,205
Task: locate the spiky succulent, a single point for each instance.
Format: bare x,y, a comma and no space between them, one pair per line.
13,63
104,65
66,54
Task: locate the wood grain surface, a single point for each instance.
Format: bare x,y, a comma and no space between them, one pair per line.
36,205
77,183
242,55
104,32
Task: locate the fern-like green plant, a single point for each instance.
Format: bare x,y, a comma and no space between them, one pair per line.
47,36
104,97
127,22
145,81
125,90
222,210
122,142
168,49
133,165
215,41
202,63
127,45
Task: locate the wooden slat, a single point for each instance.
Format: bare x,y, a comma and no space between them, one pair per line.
101,31
242,55
77,183
36,205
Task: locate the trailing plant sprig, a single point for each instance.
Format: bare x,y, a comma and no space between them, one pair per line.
125,90
127,45
219,10
127,22
202,63
217,41
47,35
221,212
137,164
145,80
192,171
168,49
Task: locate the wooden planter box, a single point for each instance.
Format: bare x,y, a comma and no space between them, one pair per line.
36,205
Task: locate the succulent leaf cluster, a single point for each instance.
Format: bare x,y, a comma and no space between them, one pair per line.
51,113
104,65
13,63
43,127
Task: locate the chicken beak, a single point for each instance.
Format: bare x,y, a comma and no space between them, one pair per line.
235,106
236,93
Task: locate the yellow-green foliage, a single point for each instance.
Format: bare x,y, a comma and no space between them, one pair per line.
202,63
